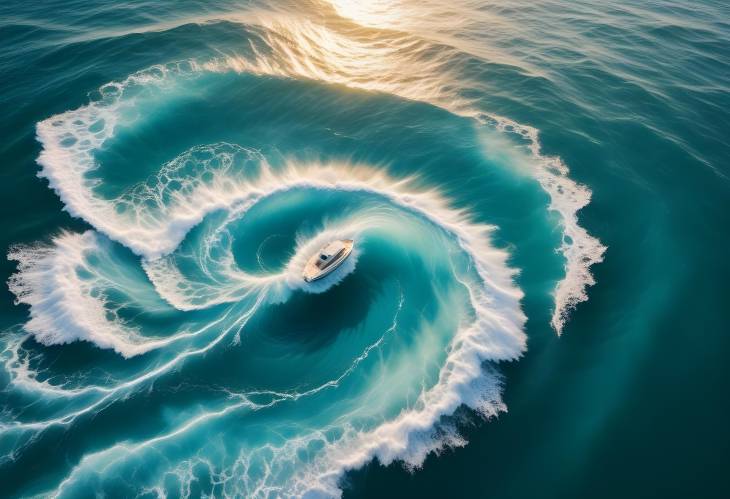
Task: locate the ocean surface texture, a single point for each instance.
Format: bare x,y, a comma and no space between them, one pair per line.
536,305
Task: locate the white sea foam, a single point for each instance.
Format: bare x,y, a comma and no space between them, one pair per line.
65,295
567,197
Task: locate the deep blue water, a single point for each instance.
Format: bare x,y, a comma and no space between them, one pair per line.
536,305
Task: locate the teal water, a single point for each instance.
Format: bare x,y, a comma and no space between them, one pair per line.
537,301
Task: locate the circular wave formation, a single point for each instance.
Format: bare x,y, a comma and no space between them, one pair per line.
208,363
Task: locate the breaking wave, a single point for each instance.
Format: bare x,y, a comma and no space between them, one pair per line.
192,275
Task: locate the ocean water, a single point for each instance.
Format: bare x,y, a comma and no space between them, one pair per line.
537,301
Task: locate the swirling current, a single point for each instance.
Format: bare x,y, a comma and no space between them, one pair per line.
172,321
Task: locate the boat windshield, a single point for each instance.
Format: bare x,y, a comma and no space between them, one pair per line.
325,261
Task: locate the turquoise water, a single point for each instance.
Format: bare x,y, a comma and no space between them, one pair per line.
535,306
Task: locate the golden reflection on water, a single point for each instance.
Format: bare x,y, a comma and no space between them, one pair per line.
382,14
461,24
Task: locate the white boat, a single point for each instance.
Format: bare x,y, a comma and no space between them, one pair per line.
327,259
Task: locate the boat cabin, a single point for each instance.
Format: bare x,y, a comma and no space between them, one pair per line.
330,253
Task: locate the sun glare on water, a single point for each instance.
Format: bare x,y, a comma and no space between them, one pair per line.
373,14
